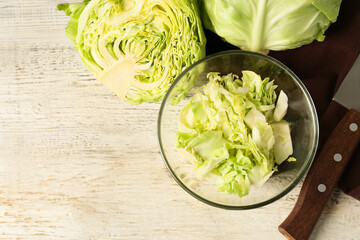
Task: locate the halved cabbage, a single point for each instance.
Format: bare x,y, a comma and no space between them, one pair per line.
136,48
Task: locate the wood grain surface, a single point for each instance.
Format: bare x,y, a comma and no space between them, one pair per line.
78,163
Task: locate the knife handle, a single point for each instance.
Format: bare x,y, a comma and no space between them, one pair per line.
322,177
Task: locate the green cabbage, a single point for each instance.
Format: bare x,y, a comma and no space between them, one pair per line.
228,128
136,48
262,25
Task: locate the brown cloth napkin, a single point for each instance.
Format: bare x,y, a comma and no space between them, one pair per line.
322,66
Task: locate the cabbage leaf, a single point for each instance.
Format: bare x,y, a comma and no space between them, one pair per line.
262,25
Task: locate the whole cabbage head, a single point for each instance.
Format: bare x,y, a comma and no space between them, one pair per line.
263,25
136,47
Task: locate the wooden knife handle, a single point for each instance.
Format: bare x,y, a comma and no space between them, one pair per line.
322,177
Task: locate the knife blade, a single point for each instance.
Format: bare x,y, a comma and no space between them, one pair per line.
329,163
348,93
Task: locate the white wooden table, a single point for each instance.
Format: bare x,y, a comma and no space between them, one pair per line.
78,163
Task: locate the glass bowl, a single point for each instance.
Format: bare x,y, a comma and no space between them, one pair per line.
301,114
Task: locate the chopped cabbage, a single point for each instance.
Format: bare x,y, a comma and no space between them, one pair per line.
228,129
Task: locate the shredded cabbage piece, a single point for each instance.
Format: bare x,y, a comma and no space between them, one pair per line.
228,128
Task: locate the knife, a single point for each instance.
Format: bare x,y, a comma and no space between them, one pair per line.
330,162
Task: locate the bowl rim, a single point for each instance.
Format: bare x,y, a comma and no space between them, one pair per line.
304,168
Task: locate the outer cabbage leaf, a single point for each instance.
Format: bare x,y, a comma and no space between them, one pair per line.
136,48
262,25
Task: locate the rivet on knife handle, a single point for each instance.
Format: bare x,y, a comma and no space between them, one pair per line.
322,177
